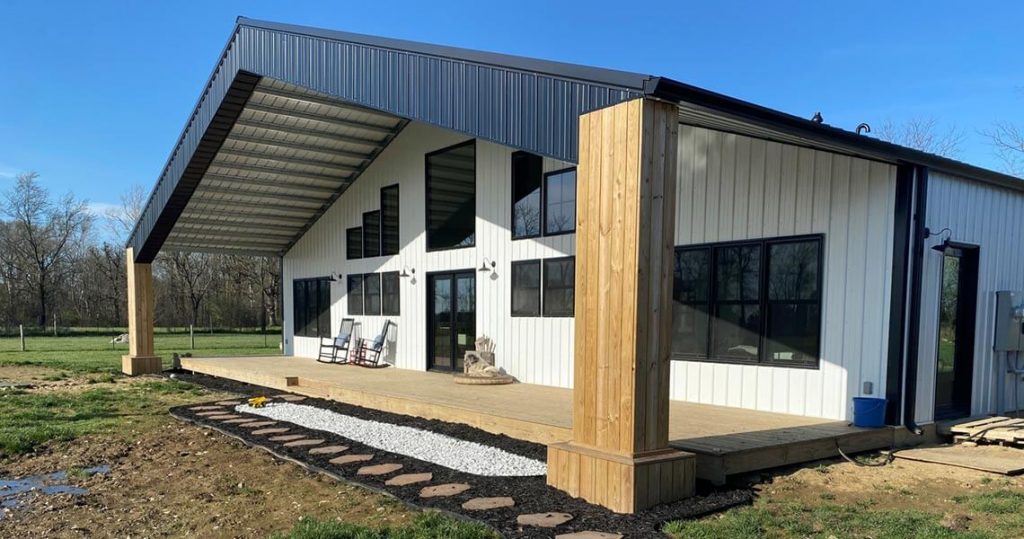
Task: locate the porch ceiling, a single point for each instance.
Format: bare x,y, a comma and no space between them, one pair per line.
288,156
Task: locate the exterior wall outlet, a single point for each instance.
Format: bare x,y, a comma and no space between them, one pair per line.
869,388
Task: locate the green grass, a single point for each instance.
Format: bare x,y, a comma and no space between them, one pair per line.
94,354
999,502
428,525
30,419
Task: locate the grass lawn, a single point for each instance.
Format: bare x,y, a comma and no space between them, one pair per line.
428,525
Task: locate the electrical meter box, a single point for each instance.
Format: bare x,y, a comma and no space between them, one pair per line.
1009,321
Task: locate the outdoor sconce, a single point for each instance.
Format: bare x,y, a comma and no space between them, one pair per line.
407,272
942,247
334,277
488,265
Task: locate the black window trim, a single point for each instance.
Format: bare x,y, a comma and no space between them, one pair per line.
330,302
540,225
540,287
543,294
544,204
398,225
349,231
426,197
368,215
763,301
380,293
348,295
398,293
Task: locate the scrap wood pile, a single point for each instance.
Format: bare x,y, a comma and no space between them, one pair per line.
1008,431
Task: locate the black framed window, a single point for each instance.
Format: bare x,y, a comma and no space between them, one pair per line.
749,302
451,197
527,171
559,294
526,288
371,234
560,201
354,243
371,294
355,294
311,307
389,217
391,302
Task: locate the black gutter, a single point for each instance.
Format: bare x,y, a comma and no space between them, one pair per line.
902,226
916,277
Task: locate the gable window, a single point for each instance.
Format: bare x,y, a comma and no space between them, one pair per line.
371,294
354,243
389,217
371,234
355,294
391,303
559,286
451,197
526,288
560,202
311,307
749,302
527,171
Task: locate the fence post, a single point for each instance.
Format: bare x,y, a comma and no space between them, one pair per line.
192,336
21,330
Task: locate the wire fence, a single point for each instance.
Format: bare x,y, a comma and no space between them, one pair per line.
25,338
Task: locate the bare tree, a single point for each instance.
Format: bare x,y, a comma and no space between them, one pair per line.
923,133
193,273
1008,142
43,235
121,220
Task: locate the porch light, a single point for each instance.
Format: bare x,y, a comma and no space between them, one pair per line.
488,265
941,247
407,272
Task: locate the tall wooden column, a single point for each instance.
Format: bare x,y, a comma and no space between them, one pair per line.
141,358
626,190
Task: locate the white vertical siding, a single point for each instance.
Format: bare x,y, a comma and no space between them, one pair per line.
535,350
733,187
992,218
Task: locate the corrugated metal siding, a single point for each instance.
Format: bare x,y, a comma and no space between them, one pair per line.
535,350
992,218
733,187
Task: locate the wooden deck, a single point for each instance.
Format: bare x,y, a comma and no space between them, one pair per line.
726,440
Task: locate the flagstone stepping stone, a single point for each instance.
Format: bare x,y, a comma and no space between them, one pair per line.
409,479
224,416
290,398
589,535
212,412
349,459
270,431
443,491
241,420
286,438
257,424
379,469
229,403
304,443
483,504
544,520
201,408
328,450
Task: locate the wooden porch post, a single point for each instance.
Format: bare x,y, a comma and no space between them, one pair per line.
626,182
140,358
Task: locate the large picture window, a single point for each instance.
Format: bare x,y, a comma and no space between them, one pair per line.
389,217
749,302
526,288
451,197
371,233
355,294
311,307
527,171
559,286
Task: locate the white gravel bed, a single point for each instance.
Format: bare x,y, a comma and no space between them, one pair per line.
468,457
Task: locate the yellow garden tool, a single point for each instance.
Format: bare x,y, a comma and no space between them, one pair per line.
258,402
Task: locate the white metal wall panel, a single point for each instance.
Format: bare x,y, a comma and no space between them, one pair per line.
535,350
992,218
733,187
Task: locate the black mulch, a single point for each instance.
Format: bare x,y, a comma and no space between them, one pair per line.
531,494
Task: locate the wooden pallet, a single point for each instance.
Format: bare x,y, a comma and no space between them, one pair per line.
993,430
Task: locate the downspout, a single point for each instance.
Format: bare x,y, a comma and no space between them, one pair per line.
916,278
902,241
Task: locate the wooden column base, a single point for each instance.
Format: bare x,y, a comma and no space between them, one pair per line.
136,365
622,484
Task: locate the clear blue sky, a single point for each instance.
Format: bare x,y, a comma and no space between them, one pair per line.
94,94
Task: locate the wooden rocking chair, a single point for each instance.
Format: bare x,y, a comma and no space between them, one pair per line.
329,347
368,352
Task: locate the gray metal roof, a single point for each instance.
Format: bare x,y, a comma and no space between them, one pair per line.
291,115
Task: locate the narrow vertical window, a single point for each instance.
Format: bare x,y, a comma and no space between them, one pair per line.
355,294
371,234
323,307
354,243
560,202
737,328
389,218
527,170
451,197
391,294
691,296
299,308
793,329
559,286
526,288
371,294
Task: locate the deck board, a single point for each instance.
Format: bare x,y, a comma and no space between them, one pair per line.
727,440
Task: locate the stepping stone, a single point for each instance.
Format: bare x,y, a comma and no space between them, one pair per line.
379,469
409,479
201,408
443,491
241,420
229,403
589,535
270,431
286,438
483,504
304,443
349,459
257,424
328,450
214,412
544,520
290,398
223,417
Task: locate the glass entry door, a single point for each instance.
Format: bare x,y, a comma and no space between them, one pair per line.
955,356
451,319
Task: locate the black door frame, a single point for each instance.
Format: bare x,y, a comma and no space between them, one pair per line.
966,322
431,276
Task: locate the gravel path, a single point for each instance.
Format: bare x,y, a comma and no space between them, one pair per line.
468,457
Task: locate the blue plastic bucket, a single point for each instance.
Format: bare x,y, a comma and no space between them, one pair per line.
868,412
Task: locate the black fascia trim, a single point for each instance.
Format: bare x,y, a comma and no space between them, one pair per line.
914,319
903,218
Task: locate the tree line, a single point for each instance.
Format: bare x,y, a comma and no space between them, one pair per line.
63,264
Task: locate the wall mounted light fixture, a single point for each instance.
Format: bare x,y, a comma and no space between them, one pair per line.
407,272
488,265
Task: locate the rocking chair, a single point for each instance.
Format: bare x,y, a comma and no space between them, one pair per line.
368,352
329,347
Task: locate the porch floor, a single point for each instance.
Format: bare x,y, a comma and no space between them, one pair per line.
726,440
